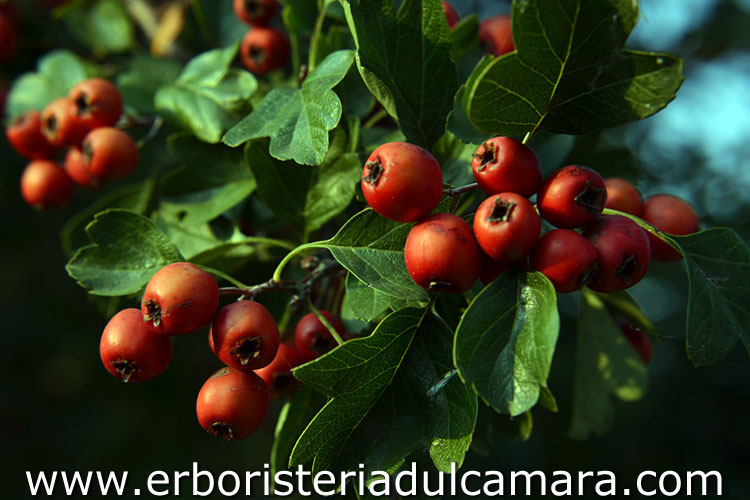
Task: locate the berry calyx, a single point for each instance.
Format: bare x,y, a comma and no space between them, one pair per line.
572,196
565,257
278,375
495,32
25,135
442,255
506,226
312,338
244,335
97,103
264,49
402,182
503,164
109,153
623,196
672,215
255,12
44,184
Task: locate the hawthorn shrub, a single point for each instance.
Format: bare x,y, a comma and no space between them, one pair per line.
239,172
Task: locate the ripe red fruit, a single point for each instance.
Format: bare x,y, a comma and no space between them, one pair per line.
402,182
623,253
25,135
565,257
450,14
8,38
78,171
60,124
44,184
132,352
312,338
441,254
673,216
278,375
109,153
255,12
264,50
637,338
496,34
623,196
244,335
180,298
232,404
491,269
506,226
97,103
503,165
572,196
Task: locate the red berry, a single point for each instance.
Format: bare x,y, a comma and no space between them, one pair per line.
442,255
623,253
232,404
78,171
402,182
97,103
495,33
572,196
25,135
491,269
623,196
244,335
673,216
264,50
44,184
565,257
507,226
278,375
60,124
180,298
8,38
110,153
637,338
450,14
255,12
504,165
132,352
312,338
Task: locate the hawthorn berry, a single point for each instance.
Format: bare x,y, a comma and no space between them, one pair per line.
244,335
402,182
25,135
44,184
109,153
8,38
503,164
278,375
490,269
637,338
60,124
442,255
572,196
506,226
672,215
450,14
78,171
180,298
132,352
264,50
97,103
312,338
565,257
255,12
623,196
232,403
623,253
495,32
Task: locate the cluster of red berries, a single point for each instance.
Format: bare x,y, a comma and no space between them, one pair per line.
495,31
404,182
264,48
79,126
180,299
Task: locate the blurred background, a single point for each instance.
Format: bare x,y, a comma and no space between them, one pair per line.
60,410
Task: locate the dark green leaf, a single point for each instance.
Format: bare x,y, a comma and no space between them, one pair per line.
569,73
366,303
294,417
514,428
506,339
126,250
143,78
458,121
102,25
607,367
405,60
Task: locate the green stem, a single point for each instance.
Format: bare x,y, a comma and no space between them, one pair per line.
200,18
325,322
260,240
374,119
223,275
527,138
289,257
317,32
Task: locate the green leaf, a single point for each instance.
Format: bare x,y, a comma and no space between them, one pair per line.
56,74
381,409
569,73
126,250
143,78
208,95
294,417
298,121
103,25
505,341
718,268
366,303
607,367
458,121
214,179
404,58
